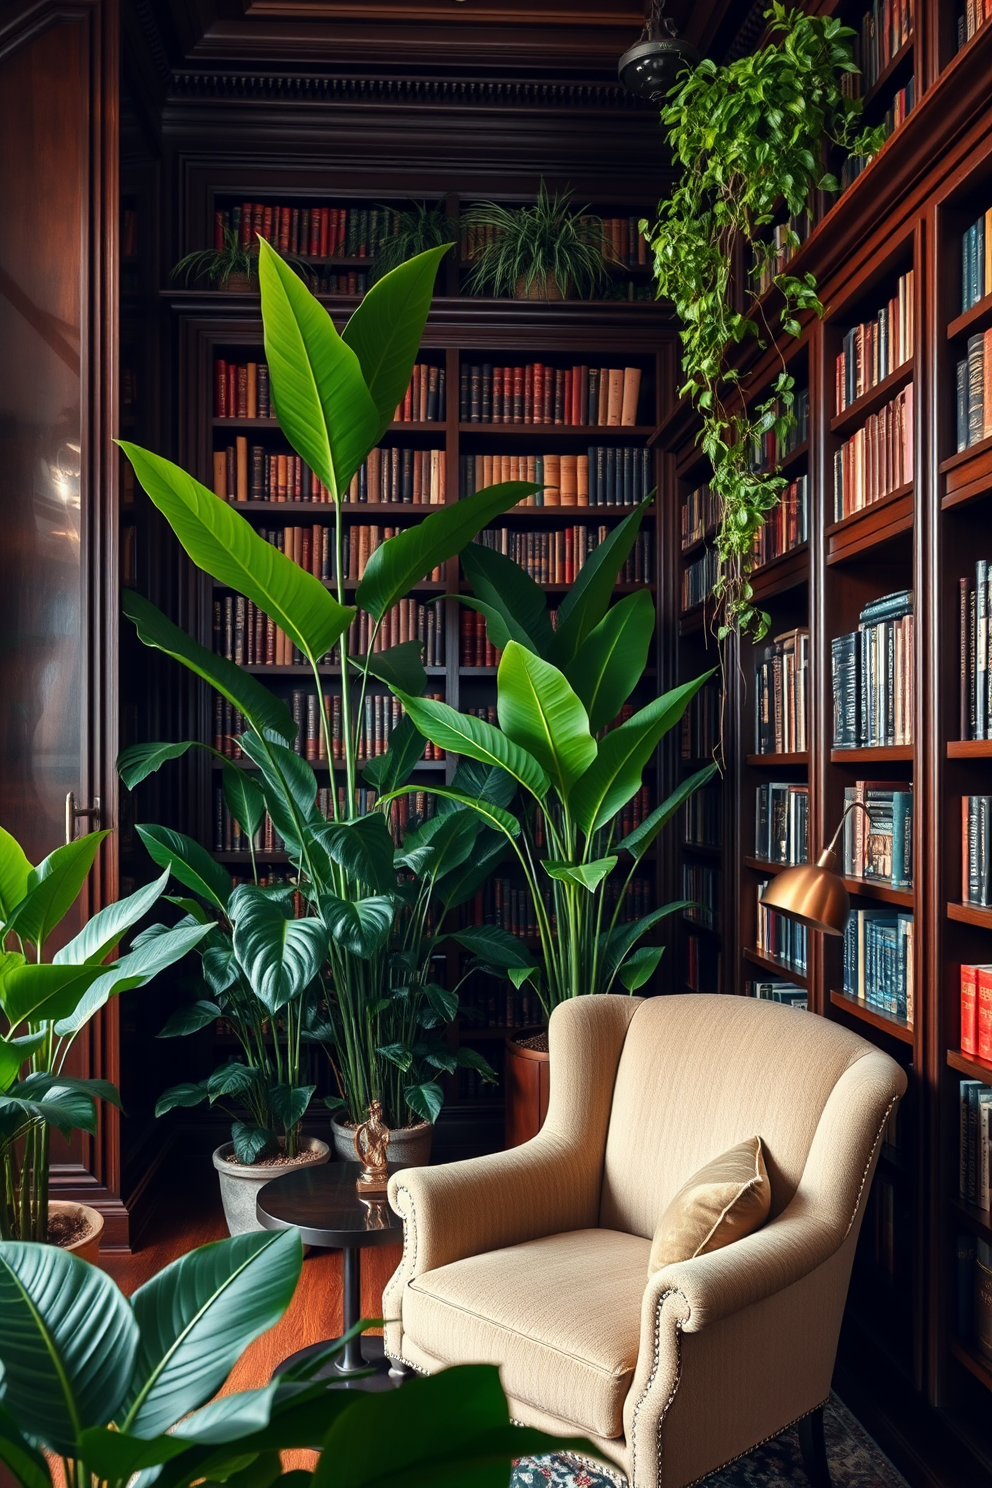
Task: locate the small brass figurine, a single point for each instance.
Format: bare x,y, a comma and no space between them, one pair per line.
371,1141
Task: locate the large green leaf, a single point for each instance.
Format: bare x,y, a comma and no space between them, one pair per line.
223,544
386,771
588,600
617,942
640,839
56,1105
611,660
516,605
100,934
584,875
400,666
386,330
136,763
404,560
13,1053
21,1456
244,798
14,873
362,926
189,862
459,884
539,711
264,712
424,1100
614,777
67,1341
182,1096
196,1317
43,992
640,966
280,955
321,401
488,810
448,839
190,1019
290,789
494,945
136,969
53,886
364,848
463,734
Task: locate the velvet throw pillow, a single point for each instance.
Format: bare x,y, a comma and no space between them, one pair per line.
723,1202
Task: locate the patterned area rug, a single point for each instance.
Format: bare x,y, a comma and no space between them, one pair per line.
855,1462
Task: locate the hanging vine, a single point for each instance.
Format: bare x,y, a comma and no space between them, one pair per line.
748,137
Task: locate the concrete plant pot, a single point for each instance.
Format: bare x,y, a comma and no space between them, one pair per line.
409,1146
240,1182
87,1244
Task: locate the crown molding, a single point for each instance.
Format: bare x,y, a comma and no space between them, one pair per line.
264,87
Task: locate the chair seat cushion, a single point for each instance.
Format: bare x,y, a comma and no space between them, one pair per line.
560,1316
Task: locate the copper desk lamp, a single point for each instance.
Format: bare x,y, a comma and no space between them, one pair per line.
815,893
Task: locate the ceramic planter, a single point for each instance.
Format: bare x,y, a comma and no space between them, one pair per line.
87,1247
526,1082
409,1146
543,287
239,1183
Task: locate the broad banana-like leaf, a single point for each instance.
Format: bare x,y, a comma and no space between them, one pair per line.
134,970
244,798
189,862
280,955
321,399
364,848
614,777
362,926
196,1317
67,1340
494,945
640,839
265,713
460,732
539,711
41,993
586,875
611,660
13,1053
400,666
386,771
224,545
640,966
290,789
100,934
618,941
515,605
190,1019
53,886
488,810
588,600
405,560
137,762
15,870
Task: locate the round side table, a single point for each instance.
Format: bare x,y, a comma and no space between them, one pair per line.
324,1205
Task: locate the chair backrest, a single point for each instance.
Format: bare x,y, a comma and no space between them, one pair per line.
697,1074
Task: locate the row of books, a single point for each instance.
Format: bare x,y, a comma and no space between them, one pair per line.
770,448
781,822
878,960
786,525
783,249
703,964
701,885
360,542
877,458
779,937
700,514
781,681
885,29
873,671
475,649
241,390
976,257
390,474
340,282
972,408
621,239
971,18
881,850
405,814
533,393
974,1142
380,715
558,556
702,723
606,475
423,401
778,991
975,631
701,818
976,850
976,1011
310,232
699,577
974,1289
873,350
247,636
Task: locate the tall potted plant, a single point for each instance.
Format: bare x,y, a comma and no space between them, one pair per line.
334,396
560,691
45,1006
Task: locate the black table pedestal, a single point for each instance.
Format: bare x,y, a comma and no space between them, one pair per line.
349,1371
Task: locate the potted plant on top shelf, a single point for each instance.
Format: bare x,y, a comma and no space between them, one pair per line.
545,251
45,1006
233,267
334,396
412,231
576,762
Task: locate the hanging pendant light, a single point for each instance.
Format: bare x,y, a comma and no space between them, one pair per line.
651,66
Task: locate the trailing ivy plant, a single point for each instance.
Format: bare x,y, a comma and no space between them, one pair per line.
748,137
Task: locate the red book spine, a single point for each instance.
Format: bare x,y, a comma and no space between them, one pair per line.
583,396
219,230
325,223
220,389
315,216
566,411
529,393
247,224
538,409
985,1013
232,389
575,407
969,1010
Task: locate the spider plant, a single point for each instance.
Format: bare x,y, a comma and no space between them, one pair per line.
235,260
541,251
411,232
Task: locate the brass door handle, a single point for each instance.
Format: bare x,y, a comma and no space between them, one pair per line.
74,812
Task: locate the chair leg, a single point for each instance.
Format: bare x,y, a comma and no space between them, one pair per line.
814,1449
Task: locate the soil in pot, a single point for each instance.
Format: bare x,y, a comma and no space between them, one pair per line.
75,1227
409,1146
240,1182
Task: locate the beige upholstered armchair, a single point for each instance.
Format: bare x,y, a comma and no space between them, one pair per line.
537,1259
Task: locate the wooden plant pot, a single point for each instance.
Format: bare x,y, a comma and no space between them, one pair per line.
526,1083
545,288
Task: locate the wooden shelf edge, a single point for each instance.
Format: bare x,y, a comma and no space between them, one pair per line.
976,1364
969,748
961,457
776,967
582,431
874,753
870,888
969,1065
873,399
772,761
970,914
971,320
897,1027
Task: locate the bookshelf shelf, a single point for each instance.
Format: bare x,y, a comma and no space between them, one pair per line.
888,72
870,402
970,914
762,865
703,929
887,893
887,1023
974,1362
969,749
264,670
968,474
879,753
970,1065
873,525
963,457
783,572
574,431
398,426
702,849
321,765
978,318
776,967
773,761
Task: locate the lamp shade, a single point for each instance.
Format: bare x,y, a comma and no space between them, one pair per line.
814,894
650,68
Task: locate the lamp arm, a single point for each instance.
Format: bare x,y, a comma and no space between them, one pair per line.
851,806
